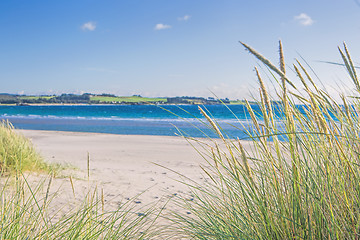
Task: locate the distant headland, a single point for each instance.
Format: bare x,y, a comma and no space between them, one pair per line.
88,98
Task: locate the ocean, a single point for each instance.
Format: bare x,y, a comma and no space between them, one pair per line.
166,120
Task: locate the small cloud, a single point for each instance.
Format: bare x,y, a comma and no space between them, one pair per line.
161,26
89,26
304,19
184,18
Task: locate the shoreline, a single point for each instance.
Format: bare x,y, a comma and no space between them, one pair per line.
122,166
104,104
143,169
30,132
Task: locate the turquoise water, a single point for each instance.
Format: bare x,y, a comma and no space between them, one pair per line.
129,119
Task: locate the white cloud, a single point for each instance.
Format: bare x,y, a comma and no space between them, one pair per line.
304,19
89,26
184,18
161,26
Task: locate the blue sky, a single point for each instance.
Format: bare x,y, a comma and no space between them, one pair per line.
166,47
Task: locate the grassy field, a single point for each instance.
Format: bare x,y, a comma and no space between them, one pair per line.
238,102
132,99
36,97
74,99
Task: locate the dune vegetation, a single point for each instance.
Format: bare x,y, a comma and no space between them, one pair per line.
24,212
301,178
24,207
17,154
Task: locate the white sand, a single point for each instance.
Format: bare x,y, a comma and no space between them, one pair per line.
122,165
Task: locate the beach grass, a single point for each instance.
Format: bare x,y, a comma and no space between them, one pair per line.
300,177
27,210
24,212
17,154
296,178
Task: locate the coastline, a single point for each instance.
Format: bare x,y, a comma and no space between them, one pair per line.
123,166
169,120
113,104
67,146
142,168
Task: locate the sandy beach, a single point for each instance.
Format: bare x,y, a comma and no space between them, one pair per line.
123,166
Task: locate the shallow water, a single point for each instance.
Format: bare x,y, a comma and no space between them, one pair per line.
168,120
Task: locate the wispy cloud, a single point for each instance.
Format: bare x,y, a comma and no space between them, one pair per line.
184,18
89,26
304,19
161,26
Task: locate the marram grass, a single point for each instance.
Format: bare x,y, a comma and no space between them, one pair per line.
24,213
17,152
306,187
28,212
301,178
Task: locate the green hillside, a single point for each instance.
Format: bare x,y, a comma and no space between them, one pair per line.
132,99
